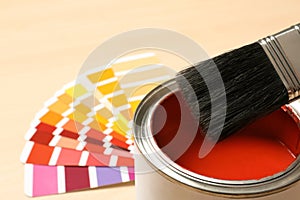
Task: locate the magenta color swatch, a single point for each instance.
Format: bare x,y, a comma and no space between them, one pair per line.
45,180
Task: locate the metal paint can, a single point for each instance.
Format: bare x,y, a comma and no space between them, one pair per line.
159,178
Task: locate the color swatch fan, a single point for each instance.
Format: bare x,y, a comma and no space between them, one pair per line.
82,137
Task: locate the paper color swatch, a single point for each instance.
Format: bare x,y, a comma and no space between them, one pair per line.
70,157
46,180
82,137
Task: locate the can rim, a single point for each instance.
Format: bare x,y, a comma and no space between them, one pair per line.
146,145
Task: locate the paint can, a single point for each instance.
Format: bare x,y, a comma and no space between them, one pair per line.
160,177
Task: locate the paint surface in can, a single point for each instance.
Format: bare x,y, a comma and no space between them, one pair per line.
264,148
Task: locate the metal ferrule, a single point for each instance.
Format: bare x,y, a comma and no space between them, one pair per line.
283,50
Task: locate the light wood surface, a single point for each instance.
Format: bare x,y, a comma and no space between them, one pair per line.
44,43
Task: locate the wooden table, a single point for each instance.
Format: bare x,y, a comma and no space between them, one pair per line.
44,43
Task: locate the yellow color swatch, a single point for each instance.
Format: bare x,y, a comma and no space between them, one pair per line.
76,91
51,118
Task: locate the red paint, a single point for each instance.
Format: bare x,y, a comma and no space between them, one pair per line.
264,148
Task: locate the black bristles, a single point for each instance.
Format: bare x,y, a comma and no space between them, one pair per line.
252,86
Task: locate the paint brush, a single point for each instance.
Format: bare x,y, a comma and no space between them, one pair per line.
258,79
